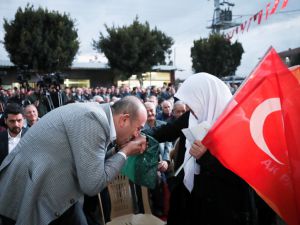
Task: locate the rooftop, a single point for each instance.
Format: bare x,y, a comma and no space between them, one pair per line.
89,65
289,52
93,65
6,63
164,68
75,65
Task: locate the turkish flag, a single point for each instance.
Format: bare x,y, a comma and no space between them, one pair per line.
296,72
258,136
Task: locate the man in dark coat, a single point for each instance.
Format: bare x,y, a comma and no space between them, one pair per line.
13,119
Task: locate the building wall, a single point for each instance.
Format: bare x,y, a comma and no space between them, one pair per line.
96,77
288,55
86,76
8,76
149,79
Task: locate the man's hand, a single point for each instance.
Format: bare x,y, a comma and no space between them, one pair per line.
135,146
162,166
198,149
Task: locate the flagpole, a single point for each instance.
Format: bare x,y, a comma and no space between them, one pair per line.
182,165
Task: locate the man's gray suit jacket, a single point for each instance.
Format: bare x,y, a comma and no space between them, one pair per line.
60,159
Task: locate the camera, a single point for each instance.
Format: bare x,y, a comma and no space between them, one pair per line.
53,79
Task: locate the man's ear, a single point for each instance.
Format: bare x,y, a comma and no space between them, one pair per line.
123,119
5,121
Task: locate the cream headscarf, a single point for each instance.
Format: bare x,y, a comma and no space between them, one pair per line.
207,96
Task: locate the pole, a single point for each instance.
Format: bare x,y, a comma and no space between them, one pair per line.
217,17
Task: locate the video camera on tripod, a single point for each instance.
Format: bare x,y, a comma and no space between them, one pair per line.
50,88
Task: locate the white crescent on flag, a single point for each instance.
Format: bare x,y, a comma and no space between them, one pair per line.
257,121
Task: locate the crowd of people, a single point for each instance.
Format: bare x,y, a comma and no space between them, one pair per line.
55,160
48,97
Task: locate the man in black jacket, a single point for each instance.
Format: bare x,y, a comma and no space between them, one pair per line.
9,138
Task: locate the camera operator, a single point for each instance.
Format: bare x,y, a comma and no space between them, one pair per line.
47,95
38,99
54,96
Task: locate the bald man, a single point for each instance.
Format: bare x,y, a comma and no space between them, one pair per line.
64,156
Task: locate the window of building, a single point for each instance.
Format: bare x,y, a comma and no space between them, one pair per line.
77,83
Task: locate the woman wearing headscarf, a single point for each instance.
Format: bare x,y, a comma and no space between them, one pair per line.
204,192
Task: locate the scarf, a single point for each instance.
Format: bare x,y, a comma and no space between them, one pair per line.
207,96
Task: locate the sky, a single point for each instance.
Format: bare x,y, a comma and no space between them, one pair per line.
184,21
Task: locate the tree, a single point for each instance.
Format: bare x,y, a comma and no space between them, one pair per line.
216,55
133,50
40,40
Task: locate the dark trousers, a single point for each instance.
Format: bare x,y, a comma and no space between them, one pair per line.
106,204
137,197
6,221
92,208
73,216
89,214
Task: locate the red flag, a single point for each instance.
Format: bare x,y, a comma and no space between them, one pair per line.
276,2
267,10
237,30
230,34
257,136
243,26
250,19
285,2
258,16
296,71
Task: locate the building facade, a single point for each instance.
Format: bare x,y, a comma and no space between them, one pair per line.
288,55
90,74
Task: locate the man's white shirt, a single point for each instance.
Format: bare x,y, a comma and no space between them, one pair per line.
13,141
